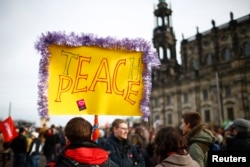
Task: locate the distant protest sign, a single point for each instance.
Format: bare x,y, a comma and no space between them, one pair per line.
8,129
98,76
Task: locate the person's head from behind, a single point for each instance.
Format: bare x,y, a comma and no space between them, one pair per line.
167,140
136,139
120,129
78,129
189,121
22,130
140,131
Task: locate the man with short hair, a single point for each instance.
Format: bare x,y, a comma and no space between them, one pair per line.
198,137
121,151
79,149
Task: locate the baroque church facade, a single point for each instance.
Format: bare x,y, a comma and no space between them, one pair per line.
213,78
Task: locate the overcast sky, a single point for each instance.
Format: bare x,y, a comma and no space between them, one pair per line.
23,21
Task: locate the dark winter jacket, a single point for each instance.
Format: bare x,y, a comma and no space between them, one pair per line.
241,142
84,154
19,144
122,153
144,154
49,145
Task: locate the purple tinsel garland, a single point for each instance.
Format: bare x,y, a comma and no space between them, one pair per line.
150,60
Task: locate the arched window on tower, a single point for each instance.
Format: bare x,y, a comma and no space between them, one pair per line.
160,21
161,53
168,53
164,21
246,49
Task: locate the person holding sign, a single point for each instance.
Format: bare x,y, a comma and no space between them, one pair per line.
78,70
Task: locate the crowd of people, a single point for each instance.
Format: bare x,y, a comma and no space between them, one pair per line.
122,146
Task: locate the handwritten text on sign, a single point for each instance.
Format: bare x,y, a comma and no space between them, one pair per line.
108,82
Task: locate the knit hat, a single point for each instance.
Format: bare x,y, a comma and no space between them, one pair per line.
241,125
35,134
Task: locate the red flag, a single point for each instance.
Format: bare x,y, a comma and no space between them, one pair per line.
8,129
95,133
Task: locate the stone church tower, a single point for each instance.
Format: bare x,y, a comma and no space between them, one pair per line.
165,43
214,77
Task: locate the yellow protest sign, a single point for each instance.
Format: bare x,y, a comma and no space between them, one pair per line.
108,82
90,75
